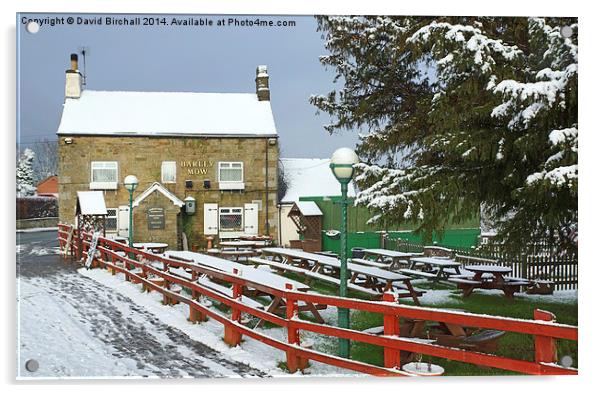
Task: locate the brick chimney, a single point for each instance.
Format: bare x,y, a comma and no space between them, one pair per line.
262,83
73,80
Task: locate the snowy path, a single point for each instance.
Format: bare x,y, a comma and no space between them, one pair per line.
76,327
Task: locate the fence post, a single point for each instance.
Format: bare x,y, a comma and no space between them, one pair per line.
293,362
232,336
195,315
392,357
545,347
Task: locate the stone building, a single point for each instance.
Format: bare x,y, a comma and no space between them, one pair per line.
206,162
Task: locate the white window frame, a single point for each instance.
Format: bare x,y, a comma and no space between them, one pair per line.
115,217
231,184
104,185
242,217
175,172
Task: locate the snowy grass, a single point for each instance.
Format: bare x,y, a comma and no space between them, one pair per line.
491,302
513,345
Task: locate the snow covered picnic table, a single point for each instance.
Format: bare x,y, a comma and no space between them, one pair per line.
157,248
262,277
235,253
238,243
432,268
371,280
382,255
489,277
248,272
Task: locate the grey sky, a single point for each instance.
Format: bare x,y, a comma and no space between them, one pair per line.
177,58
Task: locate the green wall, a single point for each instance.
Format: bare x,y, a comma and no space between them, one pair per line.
458,238
361,234
357,216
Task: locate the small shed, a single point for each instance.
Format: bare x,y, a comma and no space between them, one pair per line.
91,211
307,217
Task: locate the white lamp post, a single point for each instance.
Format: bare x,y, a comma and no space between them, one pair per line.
341,164
131,182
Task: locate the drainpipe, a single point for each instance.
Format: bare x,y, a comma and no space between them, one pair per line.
267,222
280,224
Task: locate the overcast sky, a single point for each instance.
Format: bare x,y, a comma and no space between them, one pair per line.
177,58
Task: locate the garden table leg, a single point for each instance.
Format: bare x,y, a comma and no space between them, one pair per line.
412,291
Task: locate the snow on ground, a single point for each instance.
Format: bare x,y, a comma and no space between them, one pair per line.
75,327
564,296
210,333
37,250
48,334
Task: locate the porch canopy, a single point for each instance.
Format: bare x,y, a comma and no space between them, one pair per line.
91,211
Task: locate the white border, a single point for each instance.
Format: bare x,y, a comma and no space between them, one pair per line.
590,88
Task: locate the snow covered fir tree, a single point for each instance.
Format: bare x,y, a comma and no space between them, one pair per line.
25,182
459,113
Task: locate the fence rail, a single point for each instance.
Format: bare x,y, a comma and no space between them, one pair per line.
119,258
540,262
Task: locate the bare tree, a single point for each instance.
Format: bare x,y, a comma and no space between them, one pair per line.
46,159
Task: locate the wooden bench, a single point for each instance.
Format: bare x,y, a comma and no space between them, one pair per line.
464,281
483,341
337,282
368,262
417,273
247,301
277,265
471,260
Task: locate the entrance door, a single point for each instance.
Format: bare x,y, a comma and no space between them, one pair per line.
123,221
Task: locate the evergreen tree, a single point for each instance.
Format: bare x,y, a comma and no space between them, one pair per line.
459,113
25,186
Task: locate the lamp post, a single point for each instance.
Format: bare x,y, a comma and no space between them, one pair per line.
341,164
131,182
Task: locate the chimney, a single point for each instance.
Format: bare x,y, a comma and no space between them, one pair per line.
261,83
73,80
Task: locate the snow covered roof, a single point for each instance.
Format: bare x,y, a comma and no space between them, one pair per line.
309,208
310,177
166,113
91,203
158,187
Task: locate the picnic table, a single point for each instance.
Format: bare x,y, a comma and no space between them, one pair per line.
395,257
436,268
234,254
446,334
262,277
156,248
489,277
243,244
367,279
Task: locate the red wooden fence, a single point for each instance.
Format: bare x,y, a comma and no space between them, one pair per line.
110,255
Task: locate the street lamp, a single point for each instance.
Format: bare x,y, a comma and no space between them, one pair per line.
131,182
341,164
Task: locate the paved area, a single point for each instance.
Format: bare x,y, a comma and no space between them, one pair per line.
74,326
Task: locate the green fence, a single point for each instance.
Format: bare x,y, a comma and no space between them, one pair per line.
357,217
458,238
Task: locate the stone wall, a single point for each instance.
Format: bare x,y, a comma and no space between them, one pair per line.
169,234
196,159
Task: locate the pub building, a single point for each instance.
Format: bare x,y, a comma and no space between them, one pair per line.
206,163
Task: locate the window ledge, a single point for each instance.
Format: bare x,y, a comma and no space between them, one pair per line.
103,185
231,185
